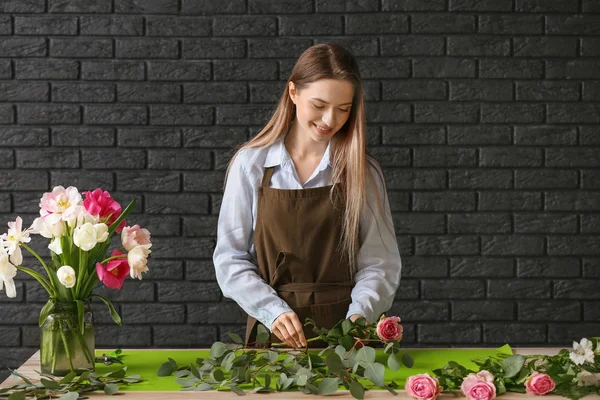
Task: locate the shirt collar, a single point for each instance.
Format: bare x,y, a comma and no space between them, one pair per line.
278,155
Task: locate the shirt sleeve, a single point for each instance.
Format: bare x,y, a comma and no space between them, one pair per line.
378,262
236,274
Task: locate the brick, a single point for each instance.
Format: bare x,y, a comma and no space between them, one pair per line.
159,226
45,25
392,157
183,247
443,201
480,5
446,113
207,7
590,179
215,92
591,311
591,91
574,113
88,181
545,47
244,26
587,135
24,91
479,45
241,70
5,203
512,113
112,114
5,69
515,245
216,313
179,70
519,289
333,6
590,268
413,5
187,336
282,7
151,181
83,92
444,157
110,336
483,311
548,267
424,267
564,333
545,135
213,48
412,45
48,114
545,311
388,112
582,69
131,291
515,24
20,314
149,137
400,178
277,47
511,68
164,269
576,289
98,48
148,93
413,134
567,245
7,114
211,181
453,289
178,26
359,46
507,201
80,6
11,335
571,157
6,25
442,23
479,134
549,223
200,226
241,114
421,311
418,223
111,25
589,223
481,90
384,68
7,158
510,157
414,90
377,23
481,267
572,25
180,203
545,6
47,158
108,158
147,48
479,223
146,7
200,270
112,70
568,201
20,6
82,136
23,47
154,313
449,333
514,333
315,24
186,292
181,115
436,245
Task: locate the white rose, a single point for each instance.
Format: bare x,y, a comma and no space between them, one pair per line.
137,258
84,236
66,276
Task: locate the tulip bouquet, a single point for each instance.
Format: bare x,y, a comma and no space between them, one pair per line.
571,373
80,231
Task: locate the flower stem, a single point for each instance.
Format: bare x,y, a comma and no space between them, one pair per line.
29,249
66,345
114,258
39,278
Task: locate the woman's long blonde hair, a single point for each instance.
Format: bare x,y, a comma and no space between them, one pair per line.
348,146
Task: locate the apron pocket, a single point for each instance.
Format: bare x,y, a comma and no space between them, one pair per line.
279,267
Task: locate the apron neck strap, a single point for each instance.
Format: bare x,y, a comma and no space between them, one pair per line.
268,173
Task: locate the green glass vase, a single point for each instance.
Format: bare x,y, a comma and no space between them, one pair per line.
63,347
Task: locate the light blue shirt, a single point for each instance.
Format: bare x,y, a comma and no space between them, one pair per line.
377,275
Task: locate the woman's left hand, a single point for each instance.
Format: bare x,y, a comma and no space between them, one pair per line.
354,317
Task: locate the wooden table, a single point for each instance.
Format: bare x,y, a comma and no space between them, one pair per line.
27,369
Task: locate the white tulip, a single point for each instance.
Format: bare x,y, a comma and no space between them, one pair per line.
78,215
101,232
84,236
137,258
66,276
7,273
55,246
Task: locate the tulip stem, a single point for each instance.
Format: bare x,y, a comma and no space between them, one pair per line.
39,278
114,258
29,249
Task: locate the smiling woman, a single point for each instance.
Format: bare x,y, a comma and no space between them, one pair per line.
305,228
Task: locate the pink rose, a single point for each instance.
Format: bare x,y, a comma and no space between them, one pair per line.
115,272
479,386
389,328
99,203
423,387
132,236
539,384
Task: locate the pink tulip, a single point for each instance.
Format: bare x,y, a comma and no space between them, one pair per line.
539,384
423,387
101,204
389,328
115,271
132,236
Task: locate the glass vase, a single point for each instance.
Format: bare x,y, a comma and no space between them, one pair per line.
63,348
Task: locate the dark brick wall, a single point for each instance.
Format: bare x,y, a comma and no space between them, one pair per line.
484,114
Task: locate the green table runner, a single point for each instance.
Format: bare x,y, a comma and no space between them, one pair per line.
146,363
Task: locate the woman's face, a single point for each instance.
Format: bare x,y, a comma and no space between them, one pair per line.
323,104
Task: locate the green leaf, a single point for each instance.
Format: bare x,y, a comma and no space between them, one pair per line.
217,375
111,388
227,362
393,362
407,360
267,381
217,349
334,363
17,396
50,384
346,341
301,380
262,337
70,396
45,311
374,372
357,390
341,351
347,326
366,354
165,370
80,316
68,378
328,386
237,390
120,373
512,365
121,217
204,386
113,313
235,337
388,347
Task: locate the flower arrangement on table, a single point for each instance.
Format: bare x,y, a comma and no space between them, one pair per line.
572,374
80,232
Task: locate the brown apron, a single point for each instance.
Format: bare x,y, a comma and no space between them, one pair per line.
296,241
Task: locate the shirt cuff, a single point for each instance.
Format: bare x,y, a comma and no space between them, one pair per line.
357,309
268,316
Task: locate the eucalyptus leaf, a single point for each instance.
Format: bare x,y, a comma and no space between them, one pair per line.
227,362
217,349
204,386
217,375
50,384
262,337
68,378
111,388
237,390
346,341
357,390
374,372
334,363
235,337
366,354
70,396
347,326
328,386
17,396
165,369
393,362
407,360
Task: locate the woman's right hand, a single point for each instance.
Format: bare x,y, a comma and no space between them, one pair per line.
288,328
